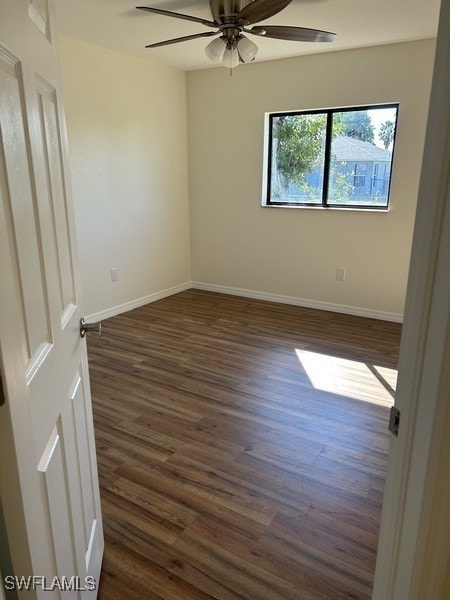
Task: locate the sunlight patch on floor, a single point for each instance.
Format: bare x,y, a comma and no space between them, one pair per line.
351,378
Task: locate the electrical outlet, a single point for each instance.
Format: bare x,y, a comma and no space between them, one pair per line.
340,274
114,274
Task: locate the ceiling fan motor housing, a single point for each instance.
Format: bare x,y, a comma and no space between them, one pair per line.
222,10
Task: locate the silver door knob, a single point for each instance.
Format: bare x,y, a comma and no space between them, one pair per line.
90,328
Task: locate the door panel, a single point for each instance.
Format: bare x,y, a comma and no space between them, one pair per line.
47,412
19,183
83,467
54,478
55,175
82,451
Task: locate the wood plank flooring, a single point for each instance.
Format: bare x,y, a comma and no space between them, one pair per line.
242,448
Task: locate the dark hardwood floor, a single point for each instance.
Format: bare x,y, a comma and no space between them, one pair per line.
242,448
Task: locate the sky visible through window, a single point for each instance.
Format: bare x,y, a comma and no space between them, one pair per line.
379,117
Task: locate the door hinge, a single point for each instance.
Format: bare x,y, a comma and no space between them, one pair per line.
394,420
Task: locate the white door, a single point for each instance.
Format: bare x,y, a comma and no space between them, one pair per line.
48,479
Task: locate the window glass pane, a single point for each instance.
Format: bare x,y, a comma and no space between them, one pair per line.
361,157
297,159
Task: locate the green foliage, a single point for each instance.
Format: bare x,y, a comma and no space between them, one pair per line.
386,133
299,140
341,188
358,124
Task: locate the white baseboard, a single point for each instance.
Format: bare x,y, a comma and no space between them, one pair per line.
223,289
126,306
340,308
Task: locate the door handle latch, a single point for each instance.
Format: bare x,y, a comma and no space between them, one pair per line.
90,328
2,391
394,420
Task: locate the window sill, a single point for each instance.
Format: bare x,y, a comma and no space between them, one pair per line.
332,208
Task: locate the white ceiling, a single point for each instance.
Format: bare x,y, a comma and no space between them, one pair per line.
116,24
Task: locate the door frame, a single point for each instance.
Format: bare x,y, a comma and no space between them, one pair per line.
414,544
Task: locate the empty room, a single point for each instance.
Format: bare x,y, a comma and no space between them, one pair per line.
224,320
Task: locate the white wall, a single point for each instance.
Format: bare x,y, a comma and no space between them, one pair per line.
127,129
294,252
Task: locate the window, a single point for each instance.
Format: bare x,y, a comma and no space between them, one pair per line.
334,158
359,176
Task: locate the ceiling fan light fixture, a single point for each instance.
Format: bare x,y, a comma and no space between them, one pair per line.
247,49
230,57
216,49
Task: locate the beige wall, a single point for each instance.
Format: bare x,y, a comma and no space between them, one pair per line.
127,129
294,252
127,124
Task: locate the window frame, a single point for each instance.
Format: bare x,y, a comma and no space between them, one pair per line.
324,204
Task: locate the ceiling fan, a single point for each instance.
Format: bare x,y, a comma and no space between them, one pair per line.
231,20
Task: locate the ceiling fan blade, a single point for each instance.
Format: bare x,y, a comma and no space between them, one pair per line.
185,38
295,34
258,10
168,13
